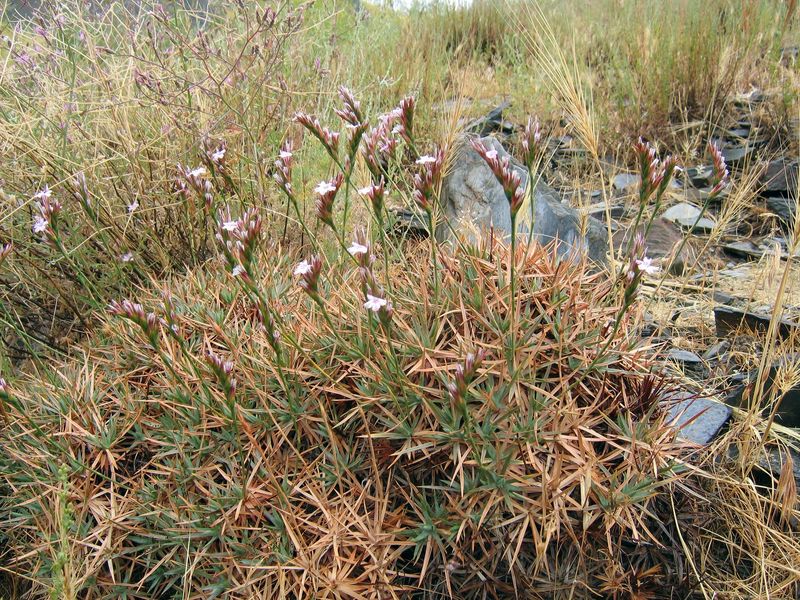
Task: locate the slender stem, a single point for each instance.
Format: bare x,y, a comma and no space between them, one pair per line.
512,299
434,259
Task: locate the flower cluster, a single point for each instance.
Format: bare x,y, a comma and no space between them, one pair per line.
374,296
380,146
308,271
639,264
196,179
405,126
504,173
655,174
283,170
134,312
531,142
80,191
49,208
239,239
376,194
464,374
721,174
327,190
427,179
222,370
329,139
213,155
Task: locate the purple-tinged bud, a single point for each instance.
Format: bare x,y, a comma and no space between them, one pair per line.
531,139
721,174
5,250
327,190
134,312
329,139
309,272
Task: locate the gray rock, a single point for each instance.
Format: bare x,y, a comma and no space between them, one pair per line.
717,350
783,207
663,239
473,202
684,357
687,215
698,420
787,413
730,321
780,177
626,182
700,176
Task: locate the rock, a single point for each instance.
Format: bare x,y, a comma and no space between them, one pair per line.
747,249
773,463
698,420
780,178
783,207
700,176
717,350
598,211
737,156
492,122
688,216
729,320
662,241
626,182
473,202
410,223
788,412
685,357
722,298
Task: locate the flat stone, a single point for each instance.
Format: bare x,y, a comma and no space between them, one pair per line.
783,207
698,420
788,411
688,216
663,239
473,203
737,156
685,357
780,178
730,320
626,182
744,249
700,176
717,350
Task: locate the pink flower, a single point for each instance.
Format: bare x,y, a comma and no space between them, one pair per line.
426,160
44,193
325,187
40,224
374,303
127,257
238,270
218,155
646,265
303,268
133,206
357,249
198,172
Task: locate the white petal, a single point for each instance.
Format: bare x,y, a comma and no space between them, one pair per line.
357,249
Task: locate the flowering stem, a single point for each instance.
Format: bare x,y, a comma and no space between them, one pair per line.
434,259
512,300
